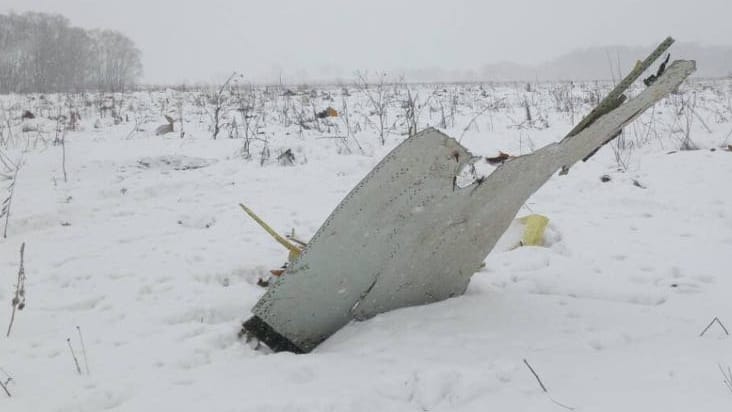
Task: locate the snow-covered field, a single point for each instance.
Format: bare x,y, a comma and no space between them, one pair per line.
157,266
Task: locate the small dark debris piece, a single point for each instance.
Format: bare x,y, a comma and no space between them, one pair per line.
27,115
279,271
662,68
497,160
636,183
65,224
286,158
164,129
455,155
605,178
328,112
257,327
729,147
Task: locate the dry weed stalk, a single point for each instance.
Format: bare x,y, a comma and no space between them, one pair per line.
18,301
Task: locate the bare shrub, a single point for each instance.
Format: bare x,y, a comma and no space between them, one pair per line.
377,94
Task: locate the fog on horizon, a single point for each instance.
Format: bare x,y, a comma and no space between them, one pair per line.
201,41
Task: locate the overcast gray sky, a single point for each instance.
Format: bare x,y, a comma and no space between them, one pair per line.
197,40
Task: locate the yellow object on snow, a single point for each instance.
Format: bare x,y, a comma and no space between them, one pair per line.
292,248
534,227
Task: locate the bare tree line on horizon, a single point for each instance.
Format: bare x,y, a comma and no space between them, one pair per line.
43,53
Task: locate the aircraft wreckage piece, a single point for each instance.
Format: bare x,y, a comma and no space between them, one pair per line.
407,235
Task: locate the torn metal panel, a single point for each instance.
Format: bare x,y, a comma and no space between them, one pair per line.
408,235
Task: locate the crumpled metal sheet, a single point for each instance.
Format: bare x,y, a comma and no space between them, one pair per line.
407,235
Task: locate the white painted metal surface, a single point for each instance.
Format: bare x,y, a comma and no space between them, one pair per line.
406,235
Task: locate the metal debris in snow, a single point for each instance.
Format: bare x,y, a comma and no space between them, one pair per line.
408,235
